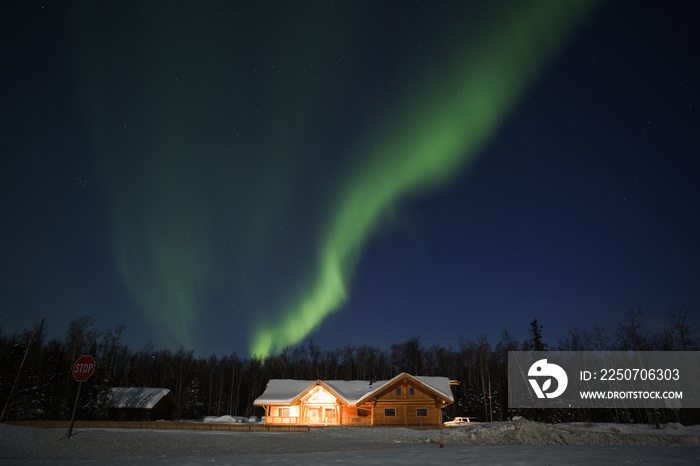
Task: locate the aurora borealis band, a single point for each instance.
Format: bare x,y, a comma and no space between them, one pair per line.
431,141
252,176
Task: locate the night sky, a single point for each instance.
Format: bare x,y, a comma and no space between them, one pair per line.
247,176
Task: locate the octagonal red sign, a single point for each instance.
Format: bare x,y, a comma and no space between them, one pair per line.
83,368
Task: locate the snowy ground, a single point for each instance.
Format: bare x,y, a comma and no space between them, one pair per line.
518,442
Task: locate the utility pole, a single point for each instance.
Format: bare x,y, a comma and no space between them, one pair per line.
12,390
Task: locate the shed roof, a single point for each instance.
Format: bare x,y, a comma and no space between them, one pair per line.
352,392
136,397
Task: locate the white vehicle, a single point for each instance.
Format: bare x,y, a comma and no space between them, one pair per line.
458,421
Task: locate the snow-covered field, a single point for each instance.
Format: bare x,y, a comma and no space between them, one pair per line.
518,442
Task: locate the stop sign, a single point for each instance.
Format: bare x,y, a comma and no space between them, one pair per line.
83,368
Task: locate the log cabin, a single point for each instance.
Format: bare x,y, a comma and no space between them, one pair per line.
404,401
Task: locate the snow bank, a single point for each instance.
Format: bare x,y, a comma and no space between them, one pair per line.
515,442
524,432
227,419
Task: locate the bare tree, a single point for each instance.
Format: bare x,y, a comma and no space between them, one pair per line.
629,334
599,339
678,316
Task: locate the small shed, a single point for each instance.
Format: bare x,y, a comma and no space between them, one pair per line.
141,404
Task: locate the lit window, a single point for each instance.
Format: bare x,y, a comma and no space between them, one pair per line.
389,412
421,412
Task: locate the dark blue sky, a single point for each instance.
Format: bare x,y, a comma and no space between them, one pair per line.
176,169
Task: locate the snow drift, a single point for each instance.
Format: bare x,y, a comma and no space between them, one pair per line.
521,442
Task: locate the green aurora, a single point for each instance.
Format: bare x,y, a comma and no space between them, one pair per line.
201,206
434,138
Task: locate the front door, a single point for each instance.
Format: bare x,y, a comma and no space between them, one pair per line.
315,415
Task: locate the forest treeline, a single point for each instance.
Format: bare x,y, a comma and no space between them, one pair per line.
36,380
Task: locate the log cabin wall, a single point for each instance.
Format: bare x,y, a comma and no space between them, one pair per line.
356,417
405,404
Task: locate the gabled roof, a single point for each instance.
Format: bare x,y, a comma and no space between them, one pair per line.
439,386
135,397
350,392
283,391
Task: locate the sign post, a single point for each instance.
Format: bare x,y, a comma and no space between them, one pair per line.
83,368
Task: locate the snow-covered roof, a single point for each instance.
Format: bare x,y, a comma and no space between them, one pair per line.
283,391
352,392
136,397
439,384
